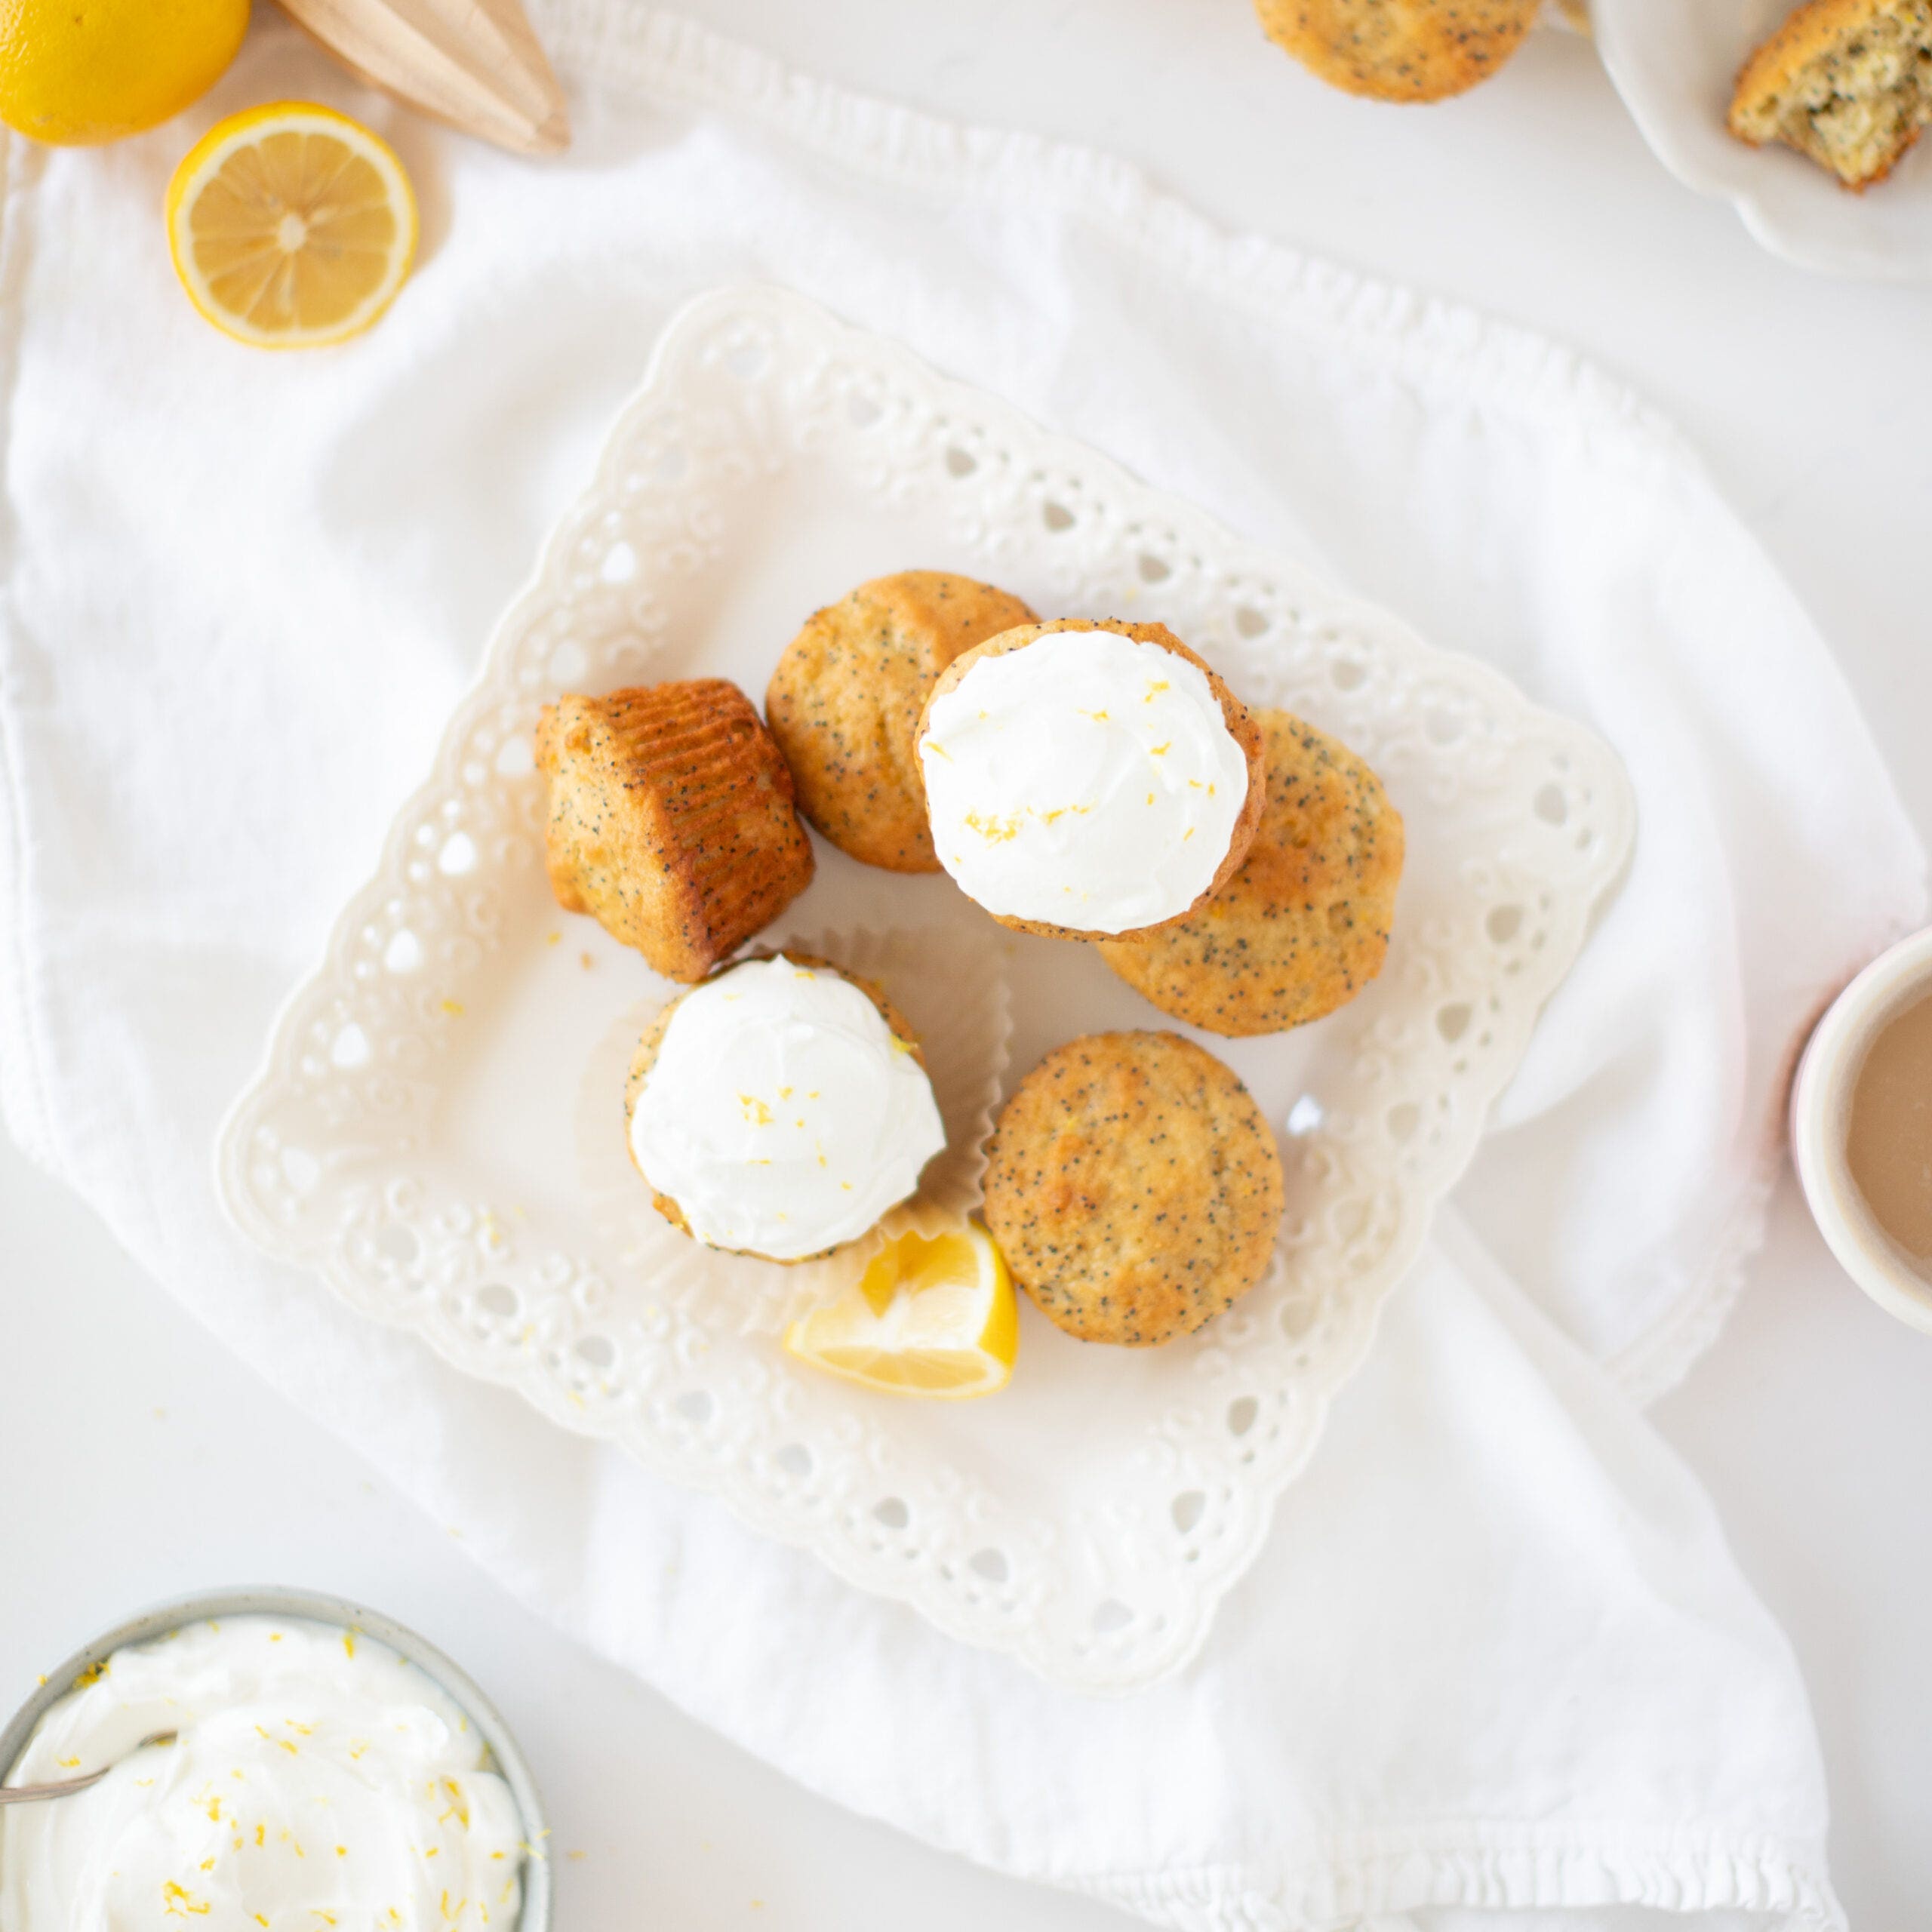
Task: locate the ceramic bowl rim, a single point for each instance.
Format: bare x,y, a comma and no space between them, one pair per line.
318,1607
1820,1092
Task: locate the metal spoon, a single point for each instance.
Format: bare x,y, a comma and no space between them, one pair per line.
28,1793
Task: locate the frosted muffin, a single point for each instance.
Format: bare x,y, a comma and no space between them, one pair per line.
671,820
1089,780
845,701
1304,924
1134,1188
779,1109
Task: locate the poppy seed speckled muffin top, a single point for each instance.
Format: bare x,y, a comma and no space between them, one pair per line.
1133,1187
844,702
671,820
1399,49
1304,925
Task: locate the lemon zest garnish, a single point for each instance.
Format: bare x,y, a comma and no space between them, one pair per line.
454,1008
756,1112
994,831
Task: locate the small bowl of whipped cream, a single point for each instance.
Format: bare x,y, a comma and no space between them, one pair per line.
329,1768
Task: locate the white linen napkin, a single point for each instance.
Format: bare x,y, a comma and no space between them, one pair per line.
1496,1667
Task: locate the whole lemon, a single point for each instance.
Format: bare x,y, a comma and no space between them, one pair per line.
94,70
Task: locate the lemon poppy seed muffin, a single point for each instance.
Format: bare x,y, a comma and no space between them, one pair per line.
844,702
779,1109
1134,1188
1304,924
671,820
1846,82
1399,49
1088,779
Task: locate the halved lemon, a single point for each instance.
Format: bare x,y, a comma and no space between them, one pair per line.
292,227
928,1318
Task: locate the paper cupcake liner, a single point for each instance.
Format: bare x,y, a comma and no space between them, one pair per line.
949,984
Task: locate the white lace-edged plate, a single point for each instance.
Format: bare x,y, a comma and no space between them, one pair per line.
411,1135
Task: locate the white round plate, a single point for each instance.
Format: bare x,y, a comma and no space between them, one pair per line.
412,1135
1675,63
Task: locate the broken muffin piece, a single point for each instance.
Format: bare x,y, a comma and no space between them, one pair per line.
1846,82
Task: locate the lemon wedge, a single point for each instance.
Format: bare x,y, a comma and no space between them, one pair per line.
929,1317
292,227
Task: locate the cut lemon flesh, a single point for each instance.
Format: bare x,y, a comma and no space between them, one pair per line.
292,227
929,1317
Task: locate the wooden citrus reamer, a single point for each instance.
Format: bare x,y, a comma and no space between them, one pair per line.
474,63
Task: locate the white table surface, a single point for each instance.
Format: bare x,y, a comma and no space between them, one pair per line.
141,1461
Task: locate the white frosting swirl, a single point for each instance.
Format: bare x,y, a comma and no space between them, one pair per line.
317,1781
1085,779
780,1114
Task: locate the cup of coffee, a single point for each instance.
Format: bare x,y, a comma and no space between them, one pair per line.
1861,1129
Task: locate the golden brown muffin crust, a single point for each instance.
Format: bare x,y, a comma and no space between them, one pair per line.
845,701
1399,49
671,820
1847,82
645,1058
1240,723
1133,1187
1304,925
